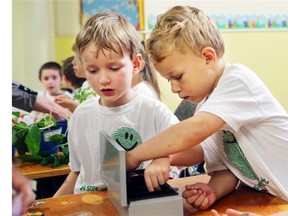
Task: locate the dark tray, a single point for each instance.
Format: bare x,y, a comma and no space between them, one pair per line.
137,190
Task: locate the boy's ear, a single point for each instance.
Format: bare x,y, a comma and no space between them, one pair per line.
138,63
209,54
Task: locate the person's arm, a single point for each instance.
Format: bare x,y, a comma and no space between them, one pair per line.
157,173
28,100
68,185
177,138
223,182
201,196
23,192
232,212
23,97
190,157
46,106
64,101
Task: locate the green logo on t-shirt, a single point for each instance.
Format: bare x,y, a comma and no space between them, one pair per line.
236,156
128,138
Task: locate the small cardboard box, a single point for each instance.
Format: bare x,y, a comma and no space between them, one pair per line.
129,194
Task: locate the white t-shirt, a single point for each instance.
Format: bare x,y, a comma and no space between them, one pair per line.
146,89
259,124
140,119
52,98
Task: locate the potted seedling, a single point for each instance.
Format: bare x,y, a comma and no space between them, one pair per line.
41,142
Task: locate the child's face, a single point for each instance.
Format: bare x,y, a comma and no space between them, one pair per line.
51,81
110,75
190,75
78,67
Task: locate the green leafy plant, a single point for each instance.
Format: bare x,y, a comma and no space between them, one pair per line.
27,140
83,94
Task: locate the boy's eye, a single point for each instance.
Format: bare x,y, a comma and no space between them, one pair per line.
178,77
114,69
92,71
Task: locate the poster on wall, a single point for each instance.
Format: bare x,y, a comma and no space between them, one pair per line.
251,21
130,9
228,14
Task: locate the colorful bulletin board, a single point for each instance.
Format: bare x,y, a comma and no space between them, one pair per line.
130,9
248,21
228,14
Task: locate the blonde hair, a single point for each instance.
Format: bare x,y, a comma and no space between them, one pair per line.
148,74
108,31
182,28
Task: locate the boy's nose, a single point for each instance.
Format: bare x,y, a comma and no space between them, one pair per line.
174,87
104,80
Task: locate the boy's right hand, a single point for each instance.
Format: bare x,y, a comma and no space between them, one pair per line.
157,173
232,212
199,195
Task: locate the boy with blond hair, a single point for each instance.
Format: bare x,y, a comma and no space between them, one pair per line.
239,128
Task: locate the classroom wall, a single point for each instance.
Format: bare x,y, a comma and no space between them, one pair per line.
263,51
32,39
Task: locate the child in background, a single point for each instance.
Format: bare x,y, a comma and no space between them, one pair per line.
69,78
110,61
239,128
85,91
74,82
145,81
50,76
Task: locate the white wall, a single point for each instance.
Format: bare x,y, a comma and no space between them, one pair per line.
32,39
35,23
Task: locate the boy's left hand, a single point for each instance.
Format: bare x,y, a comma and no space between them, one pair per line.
157,173
199,195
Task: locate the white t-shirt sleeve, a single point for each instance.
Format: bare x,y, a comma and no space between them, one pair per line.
238,104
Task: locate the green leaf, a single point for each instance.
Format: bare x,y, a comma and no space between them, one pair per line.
46,122
84,93
20,126
16,113
31,158
21,146
44,154
48,160
57,138
33,139
14,136
65,151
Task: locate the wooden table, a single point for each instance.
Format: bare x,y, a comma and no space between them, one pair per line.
36,171
98,203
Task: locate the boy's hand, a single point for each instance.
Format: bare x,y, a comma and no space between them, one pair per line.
232,212
199,195
157,173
